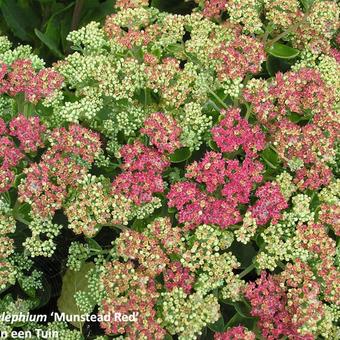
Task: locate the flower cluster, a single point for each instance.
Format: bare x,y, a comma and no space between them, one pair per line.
292,98
234,132
176,175
240,56
30,133
141,176
271,202
163,132
21,77
268,301
69,155
238,332
41,243
230,180
187,283
7,226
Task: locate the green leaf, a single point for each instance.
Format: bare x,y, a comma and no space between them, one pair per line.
104,113
307,4
270,156
244,253
212,110
22,210
218,326
139,225
64,30
18,179
275,65
315,202
212,145
95,10
243,309
168,337
180,155
295,117
62,10
49,42
237,319
6,196
173,6
63,16
260,241
175,48
15,18
93,244
172,210
31,292
283,51
73,282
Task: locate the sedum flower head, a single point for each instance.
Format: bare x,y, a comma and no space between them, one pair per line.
187,315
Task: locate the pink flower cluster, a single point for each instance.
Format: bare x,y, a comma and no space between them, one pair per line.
29,132
123,4
270,204
21,77
290,92
3,127
268,301
178,276
138,157
163,132
214,8
242,55
315,239
241,179
300,91
132,34
289,304
235,333
211,171
302,291
230,180
9,153
146,250
313,177
46,184
303,142
305,94
168,236
129,290
195,207
233,132
141,176
76,141
330,216
131,286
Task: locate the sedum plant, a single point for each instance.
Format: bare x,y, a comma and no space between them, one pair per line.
175,176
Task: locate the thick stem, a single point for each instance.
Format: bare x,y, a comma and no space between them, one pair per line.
270,164
22,220
283,157
246,271
218,99
76,14
249,108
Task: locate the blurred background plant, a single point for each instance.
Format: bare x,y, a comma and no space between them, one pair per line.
45,24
